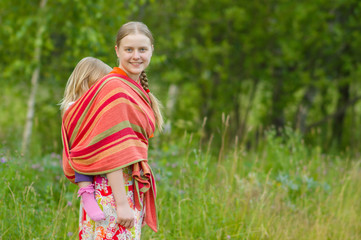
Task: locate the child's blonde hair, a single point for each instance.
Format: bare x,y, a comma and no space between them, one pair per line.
85,74
139,27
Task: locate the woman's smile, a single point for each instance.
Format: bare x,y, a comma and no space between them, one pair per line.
134,53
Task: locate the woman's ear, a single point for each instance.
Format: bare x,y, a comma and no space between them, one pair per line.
116,50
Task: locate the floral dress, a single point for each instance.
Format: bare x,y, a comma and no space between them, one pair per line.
108,228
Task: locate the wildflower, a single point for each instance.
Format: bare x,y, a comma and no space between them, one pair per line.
35,166
55,155
3,160
228,237
69,203
70,234
38,167
167,128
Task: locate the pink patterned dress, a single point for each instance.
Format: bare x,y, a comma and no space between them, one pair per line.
108,228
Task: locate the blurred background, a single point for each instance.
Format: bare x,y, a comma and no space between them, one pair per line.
225,70
262,103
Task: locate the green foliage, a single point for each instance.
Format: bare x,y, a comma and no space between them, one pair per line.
72,31
264,63
35,199
284,52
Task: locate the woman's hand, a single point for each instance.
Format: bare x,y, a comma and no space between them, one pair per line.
125,215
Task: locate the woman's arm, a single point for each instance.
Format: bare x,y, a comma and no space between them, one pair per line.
125,215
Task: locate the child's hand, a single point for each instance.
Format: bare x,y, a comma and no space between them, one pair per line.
125,215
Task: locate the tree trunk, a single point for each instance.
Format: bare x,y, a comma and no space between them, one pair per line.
338,120
172,100
34,81
243,125
277,114
303,108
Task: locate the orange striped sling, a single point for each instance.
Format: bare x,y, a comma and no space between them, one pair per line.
108,129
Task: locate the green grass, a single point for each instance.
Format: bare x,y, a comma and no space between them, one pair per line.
282,190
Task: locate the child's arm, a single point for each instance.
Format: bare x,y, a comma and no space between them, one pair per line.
84,184
125,215
86,191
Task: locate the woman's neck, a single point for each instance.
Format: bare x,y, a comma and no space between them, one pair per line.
132,76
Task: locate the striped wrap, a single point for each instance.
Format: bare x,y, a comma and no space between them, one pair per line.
108,129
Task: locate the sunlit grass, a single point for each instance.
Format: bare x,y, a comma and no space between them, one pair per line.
284,190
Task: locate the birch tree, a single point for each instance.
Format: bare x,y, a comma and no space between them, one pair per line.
35,76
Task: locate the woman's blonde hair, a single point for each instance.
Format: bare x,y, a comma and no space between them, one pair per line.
141,28
85,74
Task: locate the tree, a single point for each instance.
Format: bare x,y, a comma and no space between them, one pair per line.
35,77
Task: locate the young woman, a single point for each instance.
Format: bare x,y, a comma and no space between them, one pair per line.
106,132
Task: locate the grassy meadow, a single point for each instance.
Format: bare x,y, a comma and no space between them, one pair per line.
282,189
227,68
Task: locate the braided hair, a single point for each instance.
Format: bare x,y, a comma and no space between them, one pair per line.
155,103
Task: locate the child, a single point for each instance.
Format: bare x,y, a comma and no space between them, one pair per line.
86,73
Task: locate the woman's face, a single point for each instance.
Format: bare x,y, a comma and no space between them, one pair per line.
134,53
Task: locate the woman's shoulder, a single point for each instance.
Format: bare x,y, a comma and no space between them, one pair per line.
113,81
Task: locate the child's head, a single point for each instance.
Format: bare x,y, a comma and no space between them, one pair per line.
85,74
